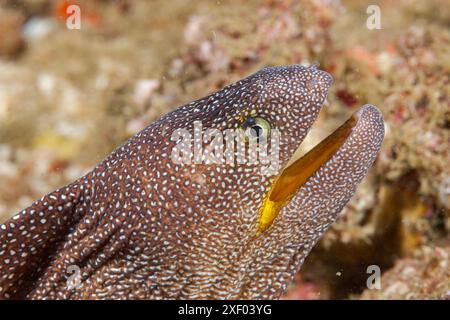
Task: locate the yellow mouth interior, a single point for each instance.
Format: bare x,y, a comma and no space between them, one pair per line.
295,175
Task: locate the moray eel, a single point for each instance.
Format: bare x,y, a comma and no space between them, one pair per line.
141,226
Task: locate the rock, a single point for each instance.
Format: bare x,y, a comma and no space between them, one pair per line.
36,29
143,90
425,275
11,41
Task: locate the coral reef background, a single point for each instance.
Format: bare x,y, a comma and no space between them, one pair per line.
68,97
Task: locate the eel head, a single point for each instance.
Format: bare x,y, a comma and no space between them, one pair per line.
206,202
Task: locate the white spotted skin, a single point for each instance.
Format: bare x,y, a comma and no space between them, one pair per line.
140,226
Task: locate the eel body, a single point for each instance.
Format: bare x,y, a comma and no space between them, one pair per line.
143,226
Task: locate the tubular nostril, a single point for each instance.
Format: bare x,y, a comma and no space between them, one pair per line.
311,84
320,80
327,78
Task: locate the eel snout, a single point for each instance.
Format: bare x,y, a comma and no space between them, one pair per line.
347,155
335,166
306,197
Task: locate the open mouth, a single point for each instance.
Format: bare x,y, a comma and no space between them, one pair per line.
295,175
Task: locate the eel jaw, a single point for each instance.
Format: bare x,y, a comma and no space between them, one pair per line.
294,176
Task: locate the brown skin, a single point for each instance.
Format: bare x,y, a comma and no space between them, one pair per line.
140,226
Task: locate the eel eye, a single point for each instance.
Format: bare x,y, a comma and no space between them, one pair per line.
256,128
